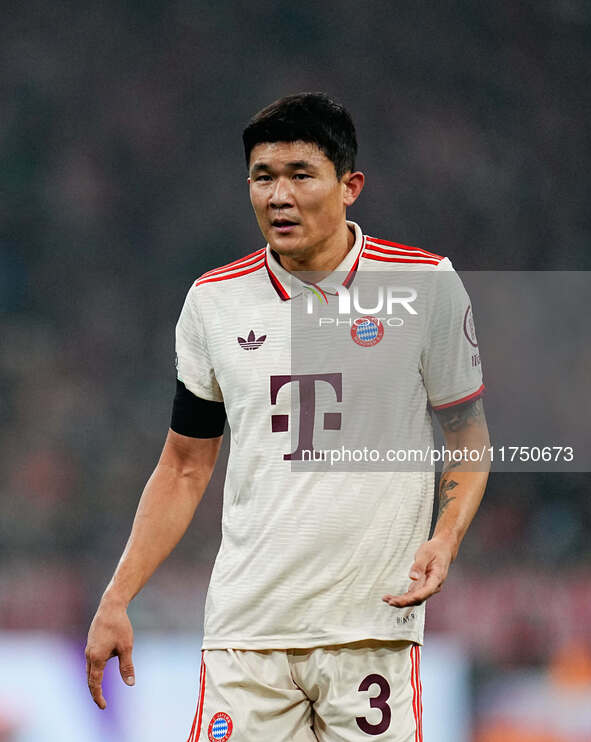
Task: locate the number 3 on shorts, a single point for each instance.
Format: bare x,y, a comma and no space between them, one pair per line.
376,702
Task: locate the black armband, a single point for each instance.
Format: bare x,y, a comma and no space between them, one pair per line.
196,417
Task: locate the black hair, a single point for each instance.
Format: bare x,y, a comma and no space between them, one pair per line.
306,117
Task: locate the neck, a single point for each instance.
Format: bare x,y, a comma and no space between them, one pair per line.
319,262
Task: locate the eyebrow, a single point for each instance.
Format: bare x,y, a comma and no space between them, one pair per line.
294,165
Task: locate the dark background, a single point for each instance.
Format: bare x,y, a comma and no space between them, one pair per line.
122,178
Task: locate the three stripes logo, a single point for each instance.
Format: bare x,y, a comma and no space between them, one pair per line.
251,342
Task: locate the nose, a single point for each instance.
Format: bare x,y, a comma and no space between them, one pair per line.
281,195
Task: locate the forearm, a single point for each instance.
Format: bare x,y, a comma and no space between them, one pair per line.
165,510
462,484
434,557
460,494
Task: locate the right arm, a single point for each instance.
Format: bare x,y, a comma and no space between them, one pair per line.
164,513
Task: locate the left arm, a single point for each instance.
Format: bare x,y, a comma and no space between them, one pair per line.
461,488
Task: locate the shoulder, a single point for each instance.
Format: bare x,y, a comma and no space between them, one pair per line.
229,283
394,255
236,269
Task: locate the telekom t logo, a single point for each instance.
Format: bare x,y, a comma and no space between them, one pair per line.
306,382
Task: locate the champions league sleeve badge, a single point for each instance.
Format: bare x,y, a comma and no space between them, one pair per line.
469,330
220,727
367,331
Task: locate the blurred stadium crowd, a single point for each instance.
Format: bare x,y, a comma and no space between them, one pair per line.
123,178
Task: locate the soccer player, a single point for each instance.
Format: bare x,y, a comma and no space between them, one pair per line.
315,611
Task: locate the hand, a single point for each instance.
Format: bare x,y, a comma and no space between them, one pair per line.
428,573
110,635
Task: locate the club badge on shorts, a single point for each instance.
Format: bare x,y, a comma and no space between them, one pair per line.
220,727
367,331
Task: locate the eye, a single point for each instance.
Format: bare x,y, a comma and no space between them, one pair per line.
301,176
262,178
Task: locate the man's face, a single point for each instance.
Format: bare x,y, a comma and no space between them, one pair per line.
298,201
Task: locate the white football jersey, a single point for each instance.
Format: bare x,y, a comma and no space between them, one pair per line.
310,547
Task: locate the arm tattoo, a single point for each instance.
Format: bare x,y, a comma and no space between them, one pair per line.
461,416
445,485
458,420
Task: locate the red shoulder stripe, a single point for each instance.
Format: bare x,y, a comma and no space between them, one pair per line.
226,276
404,247
394,253
236,263
226,269
474,395
417,260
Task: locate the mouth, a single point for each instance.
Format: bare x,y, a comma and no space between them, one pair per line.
283,226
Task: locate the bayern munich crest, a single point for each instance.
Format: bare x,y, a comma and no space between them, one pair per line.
220,727
367,331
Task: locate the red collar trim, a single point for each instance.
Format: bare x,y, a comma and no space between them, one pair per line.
282,292
283,295
352,273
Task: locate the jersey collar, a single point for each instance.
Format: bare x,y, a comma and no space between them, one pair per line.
288,286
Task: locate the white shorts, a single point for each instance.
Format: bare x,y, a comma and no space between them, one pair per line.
361,691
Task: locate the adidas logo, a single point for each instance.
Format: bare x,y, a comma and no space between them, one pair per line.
250,343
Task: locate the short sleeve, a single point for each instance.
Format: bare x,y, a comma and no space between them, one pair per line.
193,362
451,368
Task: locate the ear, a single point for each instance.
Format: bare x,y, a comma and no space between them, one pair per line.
353,183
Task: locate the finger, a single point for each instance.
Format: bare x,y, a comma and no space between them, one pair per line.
417,571
416,594
421,564
126,667
95,683
417,582
414,586
403,601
